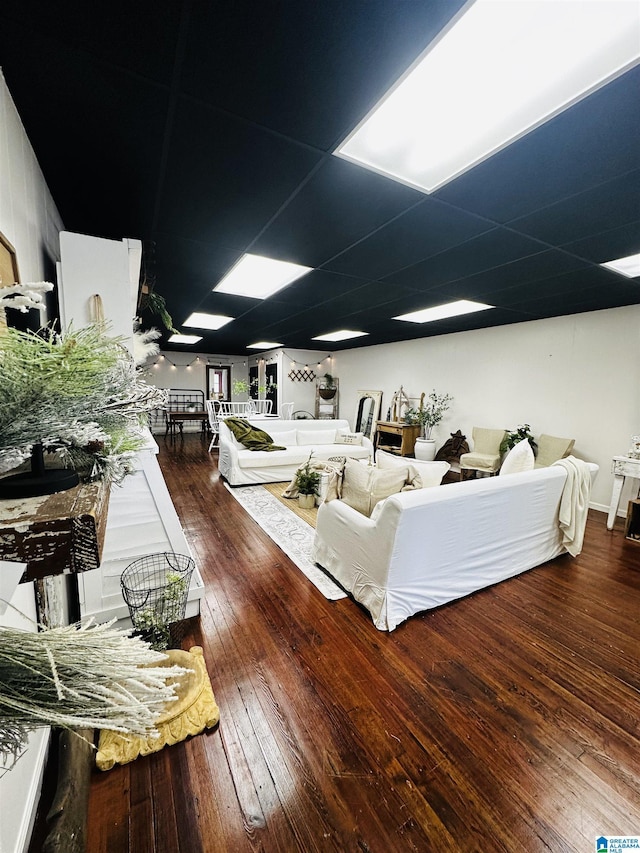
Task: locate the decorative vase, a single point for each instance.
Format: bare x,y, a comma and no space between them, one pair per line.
306,501
425,449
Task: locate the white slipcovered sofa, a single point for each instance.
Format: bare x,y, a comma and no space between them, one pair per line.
421,549
240,466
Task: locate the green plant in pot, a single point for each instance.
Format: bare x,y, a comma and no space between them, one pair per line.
240,386
428,415
328,387
513,437
307,482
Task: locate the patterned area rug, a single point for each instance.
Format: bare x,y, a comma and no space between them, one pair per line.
308,515
288,531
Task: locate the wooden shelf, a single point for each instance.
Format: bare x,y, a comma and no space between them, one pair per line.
52,534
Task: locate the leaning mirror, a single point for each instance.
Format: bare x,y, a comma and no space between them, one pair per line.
367,412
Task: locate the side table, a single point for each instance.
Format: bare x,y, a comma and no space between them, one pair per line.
621,468
396,437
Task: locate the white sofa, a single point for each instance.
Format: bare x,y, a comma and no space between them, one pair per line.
240,466
423,548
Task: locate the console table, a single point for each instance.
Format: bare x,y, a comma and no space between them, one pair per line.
621,468
396,437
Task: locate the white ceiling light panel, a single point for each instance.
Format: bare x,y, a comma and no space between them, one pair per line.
341,335
259,277
629,266
441,312
500,69
184,339
207,321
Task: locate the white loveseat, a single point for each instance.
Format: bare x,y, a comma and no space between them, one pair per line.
421,549
240,466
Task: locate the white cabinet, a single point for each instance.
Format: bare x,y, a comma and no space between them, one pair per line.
141,520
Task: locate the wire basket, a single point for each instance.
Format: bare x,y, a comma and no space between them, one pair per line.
155,589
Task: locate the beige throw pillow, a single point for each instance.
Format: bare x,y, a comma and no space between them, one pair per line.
348,438
430,473
363,486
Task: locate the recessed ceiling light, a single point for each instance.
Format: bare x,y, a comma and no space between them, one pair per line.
259,277
207,321
184,339
341,335
264,345
498,70
629,266
440,312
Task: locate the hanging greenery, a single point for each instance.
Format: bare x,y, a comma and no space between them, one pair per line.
77,393
79,676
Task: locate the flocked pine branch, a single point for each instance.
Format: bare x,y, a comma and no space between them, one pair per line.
76,390
23,297
79,676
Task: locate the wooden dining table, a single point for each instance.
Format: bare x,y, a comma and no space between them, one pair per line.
176,419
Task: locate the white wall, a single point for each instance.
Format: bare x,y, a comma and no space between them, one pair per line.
301,394
29,218
576,376
188,370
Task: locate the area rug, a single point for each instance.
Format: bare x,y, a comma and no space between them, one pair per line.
293,535
308,515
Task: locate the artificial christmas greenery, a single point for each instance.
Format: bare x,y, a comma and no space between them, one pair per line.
78,394
79,676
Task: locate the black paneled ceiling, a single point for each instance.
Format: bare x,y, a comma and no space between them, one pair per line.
206,130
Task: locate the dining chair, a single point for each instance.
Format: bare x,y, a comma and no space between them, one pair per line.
261,407
214,423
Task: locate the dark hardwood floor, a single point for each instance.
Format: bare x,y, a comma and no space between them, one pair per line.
507,721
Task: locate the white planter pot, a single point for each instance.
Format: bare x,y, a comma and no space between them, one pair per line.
306,501
425,449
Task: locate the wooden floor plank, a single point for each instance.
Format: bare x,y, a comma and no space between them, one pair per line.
505,721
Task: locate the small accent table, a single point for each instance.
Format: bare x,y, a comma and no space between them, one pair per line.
621,468
396,437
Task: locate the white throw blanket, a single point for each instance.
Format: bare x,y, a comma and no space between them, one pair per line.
574,503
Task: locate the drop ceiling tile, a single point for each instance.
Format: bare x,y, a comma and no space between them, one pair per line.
486,252
424,230
309,71
609,245
609,205
316,288
341,203
521,275
225,179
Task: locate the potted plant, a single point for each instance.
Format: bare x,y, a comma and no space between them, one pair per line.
428,416
240,386
307,482
328,388
513,437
